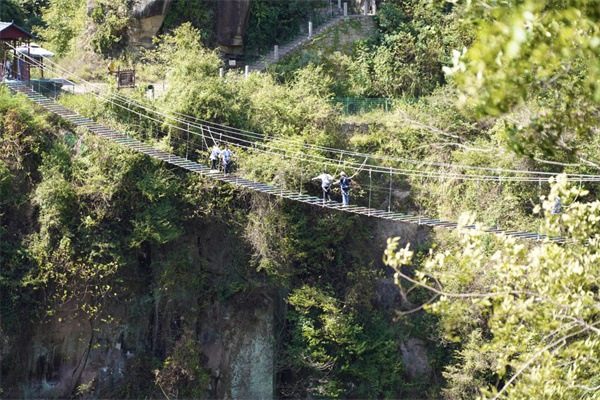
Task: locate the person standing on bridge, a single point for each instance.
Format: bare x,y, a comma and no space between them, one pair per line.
7,70
226,156
214,157
558,207
344,183
326,180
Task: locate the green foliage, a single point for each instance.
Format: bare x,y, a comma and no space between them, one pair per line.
182,374
198,13
33,11
274,22
404,59
111,19
534,305
64,21
541,55
11,10
68,28
415,42
25,13
340,352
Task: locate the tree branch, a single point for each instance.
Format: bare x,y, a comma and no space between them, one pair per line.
430,128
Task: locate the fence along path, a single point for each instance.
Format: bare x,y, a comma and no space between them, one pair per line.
294,45
139,146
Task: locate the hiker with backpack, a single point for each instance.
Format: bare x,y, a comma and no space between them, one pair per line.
326,180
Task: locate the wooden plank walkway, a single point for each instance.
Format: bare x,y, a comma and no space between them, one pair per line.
202,169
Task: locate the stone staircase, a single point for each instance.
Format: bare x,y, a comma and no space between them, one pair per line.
289,48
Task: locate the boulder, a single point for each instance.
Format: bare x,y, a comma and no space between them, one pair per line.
149,16
143,9
414,356
232,22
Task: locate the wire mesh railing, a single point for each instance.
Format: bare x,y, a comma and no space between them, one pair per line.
361,105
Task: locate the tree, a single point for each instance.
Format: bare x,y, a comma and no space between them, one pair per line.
530,310
539,56
65,20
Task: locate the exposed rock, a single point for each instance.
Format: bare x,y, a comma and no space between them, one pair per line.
349,128
149,16
388,293
143,31
232,21
408,233
414,356
91,4
143,9
238,342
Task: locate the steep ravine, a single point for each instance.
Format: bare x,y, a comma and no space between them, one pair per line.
237,336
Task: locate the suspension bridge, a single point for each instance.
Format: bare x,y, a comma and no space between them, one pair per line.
207,131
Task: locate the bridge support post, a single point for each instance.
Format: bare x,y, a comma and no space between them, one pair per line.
339,5
345,9
310,26
276,53
374,7
366,10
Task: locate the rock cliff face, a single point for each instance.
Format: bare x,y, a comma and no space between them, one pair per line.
69,355
148,17
231,26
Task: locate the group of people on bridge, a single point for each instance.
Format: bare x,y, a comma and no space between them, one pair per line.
327,181
225,157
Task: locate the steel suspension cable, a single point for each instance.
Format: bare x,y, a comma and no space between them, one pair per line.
403,171
362,154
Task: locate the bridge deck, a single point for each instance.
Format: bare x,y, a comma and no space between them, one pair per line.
202,169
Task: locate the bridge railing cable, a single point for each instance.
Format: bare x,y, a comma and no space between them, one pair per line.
229,131
255,144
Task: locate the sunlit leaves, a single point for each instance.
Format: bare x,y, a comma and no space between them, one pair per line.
536,305
539,53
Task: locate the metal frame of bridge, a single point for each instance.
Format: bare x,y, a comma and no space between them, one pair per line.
139,146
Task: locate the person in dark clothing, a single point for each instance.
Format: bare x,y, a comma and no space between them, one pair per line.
226,156
344,183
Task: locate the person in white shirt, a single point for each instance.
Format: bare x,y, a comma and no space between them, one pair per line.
326,180
214,157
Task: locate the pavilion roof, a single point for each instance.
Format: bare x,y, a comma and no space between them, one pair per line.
11,31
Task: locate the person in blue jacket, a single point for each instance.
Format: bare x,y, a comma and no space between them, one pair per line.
344,183
226,155
558,207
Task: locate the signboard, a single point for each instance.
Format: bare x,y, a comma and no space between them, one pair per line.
126,78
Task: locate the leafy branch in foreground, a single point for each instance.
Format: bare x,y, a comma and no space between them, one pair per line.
534,308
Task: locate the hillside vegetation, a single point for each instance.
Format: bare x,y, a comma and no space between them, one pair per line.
111,245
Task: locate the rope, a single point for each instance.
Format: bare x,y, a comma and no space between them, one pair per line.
338,166
247,134
540,202
360,169
421,201
390,198
370,190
